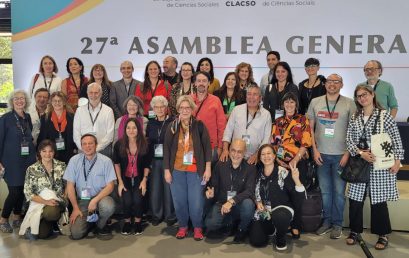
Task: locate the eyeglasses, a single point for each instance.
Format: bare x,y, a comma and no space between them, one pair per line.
185,109
159,107
333,82
311,66
363,95
371,69
19,98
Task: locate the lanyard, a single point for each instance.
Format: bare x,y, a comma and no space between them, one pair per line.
182,92
129,88
279,95
333,108
186,139
49,177
156,88
160,130
309,90
78,89
228,103
45,82
90,168
247,118
23,127
201,104
133,158
96,117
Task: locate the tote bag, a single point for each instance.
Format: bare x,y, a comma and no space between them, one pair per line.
382,148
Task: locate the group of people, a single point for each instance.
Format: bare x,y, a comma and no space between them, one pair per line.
180,147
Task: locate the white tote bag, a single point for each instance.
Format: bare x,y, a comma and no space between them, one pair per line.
382,148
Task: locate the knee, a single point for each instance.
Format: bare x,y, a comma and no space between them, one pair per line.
51,213
77,233
106,206
247,205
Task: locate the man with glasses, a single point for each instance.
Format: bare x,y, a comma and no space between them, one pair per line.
329,116
122,89
384,91
37,109
232,187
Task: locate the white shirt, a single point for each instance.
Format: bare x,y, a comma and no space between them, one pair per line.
51,84
103,127
35,120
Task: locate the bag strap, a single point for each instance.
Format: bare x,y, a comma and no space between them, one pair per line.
379,116
34,82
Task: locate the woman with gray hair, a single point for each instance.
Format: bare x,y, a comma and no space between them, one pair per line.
17,153
133,107
160,198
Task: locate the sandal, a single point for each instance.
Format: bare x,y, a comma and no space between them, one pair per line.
352,238
295,233
382,243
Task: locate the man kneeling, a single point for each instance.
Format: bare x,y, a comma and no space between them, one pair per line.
232,185
90,179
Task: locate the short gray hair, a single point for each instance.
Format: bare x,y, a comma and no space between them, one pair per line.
136,100
96,85
157,99
10,104
188,99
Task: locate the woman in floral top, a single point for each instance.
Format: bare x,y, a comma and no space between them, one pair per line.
291,136
46,173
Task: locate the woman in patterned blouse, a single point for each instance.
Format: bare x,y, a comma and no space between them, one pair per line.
99,74
291,136
46,173
184,86
382,182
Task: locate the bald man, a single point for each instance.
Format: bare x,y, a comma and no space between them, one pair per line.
170,63
123,88
232,188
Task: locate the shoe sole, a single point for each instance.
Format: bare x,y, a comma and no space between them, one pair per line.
125,233
336,237
138,233
325,232
281,248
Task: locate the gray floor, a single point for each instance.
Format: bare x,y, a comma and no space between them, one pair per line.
160,242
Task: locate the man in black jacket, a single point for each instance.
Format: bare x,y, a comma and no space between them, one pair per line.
232,187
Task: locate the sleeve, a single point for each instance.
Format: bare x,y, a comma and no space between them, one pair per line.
3,133
392,101
109,136
311,110
248,192
228,131
116,159
145,124
392,129
221,123
267,130
205,139
352,132
257,191
147,159
306,140
28,184
167,145
274,133
77,129
31,88
214,179
116,127
109,171
36,125
352,108
69,174
112,99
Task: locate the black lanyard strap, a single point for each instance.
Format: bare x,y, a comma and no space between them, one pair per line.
86,174
331,113
23,127
201,104
247,118
45,82
96,117
130,84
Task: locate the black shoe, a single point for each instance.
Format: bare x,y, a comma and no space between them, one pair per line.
105,231
281,244
126,229
138,228
155,222
240,236
171,222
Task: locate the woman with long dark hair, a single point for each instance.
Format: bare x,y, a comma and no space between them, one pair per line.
99,75
230,94
244,72
153,85
75,86
132,169
184,86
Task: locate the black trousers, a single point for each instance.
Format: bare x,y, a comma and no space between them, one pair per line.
261,229
132,199
380,222
13,202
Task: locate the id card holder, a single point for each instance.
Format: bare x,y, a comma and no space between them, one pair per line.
158,150
267,206
279,113
86,193
231,194
246,139
280,152
25,149
60,144
188,158
329,130
151,114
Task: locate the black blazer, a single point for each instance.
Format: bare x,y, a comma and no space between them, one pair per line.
221,94
48,131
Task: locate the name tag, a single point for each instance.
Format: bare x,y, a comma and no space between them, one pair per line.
25,150
280,152
279,113
231,194
188,158
246,139
158,150
60,144
329,130
86,193
151,114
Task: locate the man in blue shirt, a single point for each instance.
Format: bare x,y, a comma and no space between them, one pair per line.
90,179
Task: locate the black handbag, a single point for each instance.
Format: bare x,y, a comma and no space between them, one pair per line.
356,171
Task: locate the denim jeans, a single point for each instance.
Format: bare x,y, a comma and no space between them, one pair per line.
188,197
332,190
243,211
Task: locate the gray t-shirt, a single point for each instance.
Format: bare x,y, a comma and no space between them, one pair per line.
331,127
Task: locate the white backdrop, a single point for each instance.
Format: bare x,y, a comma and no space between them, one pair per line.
366,29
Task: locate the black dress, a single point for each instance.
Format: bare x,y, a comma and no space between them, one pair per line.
307,94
